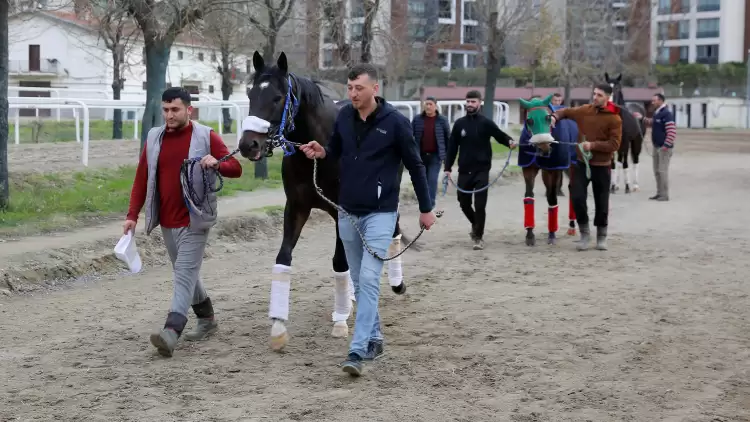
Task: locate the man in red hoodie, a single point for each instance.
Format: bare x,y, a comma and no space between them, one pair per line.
157,185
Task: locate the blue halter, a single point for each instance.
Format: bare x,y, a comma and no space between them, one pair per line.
291,106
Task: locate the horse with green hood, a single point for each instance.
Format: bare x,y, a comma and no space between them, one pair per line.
548,149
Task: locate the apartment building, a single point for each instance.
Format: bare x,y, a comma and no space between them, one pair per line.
700,31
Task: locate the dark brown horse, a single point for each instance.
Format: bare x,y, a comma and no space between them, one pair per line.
286,109
633,131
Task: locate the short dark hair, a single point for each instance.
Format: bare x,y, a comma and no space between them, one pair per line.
363,69
660,96
175,92
433,99
604,87
474,94
556,94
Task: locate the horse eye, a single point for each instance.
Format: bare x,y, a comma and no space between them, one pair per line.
277,98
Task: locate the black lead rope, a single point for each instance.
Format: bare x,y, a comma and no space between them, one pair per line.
192,198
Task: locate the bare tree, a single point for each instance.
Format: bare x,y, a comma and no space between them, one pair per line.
4,186
540,41
276,14
160,23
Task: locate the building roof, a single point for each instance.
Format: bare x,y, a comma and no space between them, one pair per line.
512,94
185,38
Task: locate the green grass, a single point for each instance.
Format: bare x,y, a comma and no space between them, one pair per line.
42,202
65,130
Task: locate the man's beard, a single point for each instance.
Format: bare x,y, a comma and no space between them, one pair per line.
471,110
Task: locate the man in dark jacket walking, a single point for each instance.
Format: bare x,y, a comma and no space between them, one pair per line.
663,135
370,140
471,135
431,130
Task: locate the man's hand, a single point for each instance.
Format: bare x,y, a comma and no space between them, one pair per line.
512,144
128,226
665,149
209,162
586,146
552,120
427,219
313,150
448,174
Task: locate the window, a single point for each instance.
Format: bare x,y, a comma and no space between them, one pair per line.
416,8
683,30
707,28
470,11
327,57
445,33
327,35
707,54
143,55
665,7
684,7
471,61
356,31
684,53
179,55
662,56
200,57
457,61
417,30
213,57
621,33
447,9
210,89
708,5
145,87
443,59
470,34
417,55
663,31
357,8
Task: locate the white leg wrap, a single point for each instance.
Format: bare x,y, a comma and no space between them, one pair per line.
614,174
627,175
280,284
342,303
635,173
395,275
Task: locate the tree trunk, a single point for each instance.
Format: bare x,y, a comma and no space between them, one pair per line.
4,188
157,59
493,67
117,115
226,87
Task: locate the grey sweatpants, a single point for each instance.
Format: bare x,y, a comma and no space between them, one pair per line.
185,247
661,171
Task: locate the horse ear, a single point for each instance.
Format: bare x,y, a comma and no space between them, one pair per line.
548,99
258,63
619,77
282,64
606,76
524,103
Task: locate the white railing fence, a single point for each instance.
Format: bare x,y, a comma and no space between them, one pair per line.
82,106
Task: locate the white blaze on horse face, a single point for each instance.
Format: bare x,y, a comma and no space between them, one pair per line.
264,85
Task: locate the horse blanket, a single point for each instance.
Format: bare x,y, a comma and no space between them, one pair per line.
560,156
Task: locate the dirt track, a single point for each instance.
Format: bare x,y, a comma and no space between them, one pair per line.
655,329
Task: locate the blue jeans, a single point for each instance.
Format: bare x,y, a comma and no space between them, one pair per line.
365,271
432,166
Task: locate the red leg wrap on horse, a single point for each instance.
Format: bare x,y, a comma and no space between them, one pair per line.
528,213
571,211
552,222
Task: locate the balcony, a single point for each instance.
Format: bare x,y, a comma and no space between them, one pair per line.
707,60
708,6
26,67
707,34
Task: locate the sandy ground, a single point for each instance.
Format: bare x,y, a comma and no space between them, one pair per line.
655,329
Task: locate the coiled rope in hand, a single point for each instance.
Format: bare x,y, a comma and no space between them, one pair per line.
194,199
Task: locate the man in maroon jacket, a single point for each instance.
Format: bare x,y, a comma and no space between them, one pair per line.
157,185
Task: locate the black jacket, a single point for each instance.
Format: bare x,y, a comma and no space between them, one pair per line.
471,134
370,154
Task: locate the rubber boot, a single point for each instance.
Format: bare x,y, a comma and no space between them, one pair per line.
583,242
601,238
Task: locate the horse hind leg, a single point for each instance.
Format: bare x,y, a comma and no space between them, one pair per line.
635,153
571,210
295,218
395,265
550,179
529,174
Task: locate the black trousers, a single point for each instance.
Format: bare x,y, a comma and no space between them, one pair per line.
600,179
478,214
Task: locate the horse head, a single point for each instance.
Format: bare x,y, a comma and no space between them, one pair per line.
537,124
272,108
616,84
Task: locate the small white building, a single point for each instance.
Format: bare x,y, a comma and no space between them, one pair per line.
59,50
709,112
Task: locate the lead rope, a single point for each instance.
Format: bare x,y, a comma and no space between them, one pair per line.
189,194
447,179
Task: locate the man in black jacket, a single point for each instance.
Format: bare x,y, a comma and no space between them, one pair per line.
370,139
471,134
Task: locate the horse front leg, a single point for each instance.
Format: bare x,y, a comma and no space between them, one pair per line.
551,179
571,211
529,174
635,153
295,217
343,287
395,266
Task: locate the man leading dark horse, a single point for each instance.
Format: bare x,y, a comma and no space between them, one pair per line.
370,139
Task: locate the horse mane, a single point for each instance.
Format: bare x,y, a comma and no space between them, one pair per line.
308,92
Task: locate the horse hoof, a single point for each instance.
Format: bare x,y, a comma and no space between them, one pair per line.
530,240
636,188
613,189
400,289
279,336
627,188
551,239
340,329
571,231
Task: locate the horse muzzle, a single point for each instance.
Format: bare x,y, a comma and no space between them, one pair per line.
254,142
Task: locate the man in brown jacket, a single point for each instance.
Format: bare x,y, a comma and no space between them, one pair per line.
600,133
